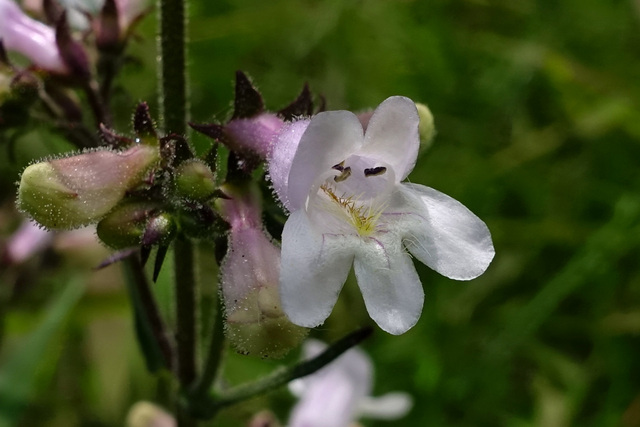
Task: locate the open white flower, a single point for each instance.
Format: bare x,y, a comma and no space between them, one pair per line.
348,207
339,393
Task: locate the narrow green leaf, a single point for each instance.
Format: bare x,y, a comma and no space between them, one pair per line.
18,375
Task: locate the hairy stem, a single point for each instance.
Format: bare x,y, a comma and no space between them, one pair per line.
173,112
185,288
214,355
173,73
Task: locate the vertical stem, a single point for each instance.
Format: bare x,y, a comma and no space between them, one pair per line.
173,73
185,286
173,107
186,310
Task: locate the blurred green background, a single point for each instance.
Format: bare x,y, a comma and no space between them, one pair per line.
536,109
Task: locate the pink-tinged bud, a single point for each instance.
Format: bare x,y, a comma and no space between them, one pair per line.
129,12
115,21
250,273
264,419
31,38
147,414
255,134
281,157
26,241
74,191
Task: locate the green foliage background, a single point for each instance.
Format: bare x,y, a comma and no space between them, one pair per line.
536,108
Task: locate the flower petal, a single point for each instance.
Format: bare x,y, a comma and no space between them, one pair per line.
281,157
330,401
330,138
314,267
450,238
29,37
389,283
390,406
332,395
392,135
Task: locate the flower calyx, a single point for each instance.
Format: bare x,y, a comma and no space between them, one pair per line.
251,131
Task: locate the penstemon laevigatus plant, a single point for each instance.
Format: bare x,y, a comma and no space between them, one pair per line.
338,176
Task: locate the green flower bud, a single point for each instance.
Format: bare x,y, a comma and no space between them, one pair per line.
74,191
160,230
124,226
426,128
194,180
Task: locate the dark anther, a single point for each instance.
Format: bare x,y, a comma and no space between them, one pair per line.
339,166
346,173
375,171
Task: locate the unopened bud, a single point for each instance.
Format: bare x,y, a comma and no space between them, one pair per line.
264,419
147,414
256,323
194,180
74,191
255,134
250,274
125,225
160,230
426,128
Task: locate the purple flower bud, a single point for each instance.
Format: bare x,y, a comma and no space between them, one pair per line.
250,272
256,134
30,38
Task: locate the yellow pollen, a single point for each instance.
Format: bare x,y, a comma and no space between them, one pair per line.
362,218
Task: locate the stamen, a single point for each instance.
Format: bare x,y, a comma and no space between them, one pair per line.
375,171
346,173
339,167
364,218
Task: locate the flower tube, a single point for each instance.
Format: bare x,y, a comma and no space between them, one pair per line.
250,271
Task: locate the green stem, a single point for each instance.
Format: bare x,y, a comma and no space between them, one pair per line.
173,111
207,408
185,288
173,72
214,356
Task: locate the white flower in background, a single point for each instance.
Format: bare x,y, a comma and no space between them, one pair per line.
348,207
339,393
33,39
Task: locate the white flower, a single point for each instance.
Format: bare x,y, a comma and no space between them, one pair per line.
340,392
348,207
